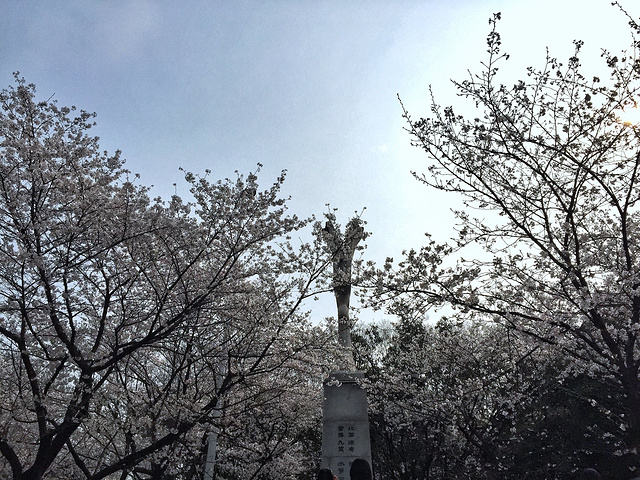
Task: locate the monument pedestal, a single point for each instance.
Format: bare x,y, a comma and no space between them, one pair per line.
345,431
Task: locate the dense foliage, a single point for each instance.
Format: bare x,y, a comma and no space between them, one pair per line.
452,401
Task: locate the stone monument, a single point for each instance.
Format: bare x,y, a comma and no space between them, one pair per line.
345,429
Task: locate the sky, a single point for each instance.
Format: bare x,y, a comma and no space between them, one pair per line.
310,87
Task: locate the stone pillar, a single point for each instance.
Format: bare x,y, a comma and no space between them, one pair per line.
345,423
345,429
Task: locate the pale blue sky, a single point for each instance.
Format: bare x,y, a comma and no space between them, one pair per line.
307,86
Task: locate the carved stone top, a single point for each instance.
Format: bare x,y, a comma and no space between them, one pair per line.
342,248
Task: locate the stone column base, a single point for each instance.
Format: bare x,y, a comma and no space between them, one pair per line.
345,430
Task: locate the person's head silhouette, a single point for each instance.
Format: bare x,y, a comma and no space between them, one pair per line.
325,474
360,470
590,474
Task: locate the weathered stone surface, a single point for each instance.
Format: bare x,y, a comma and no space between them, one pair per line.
345,433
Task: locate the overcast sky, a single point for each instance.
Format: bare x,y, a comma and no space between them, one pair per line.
306,86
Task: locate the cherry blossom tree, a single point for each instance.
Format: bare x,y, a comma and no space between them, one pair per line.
272,428
125,321
478,400
549,174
